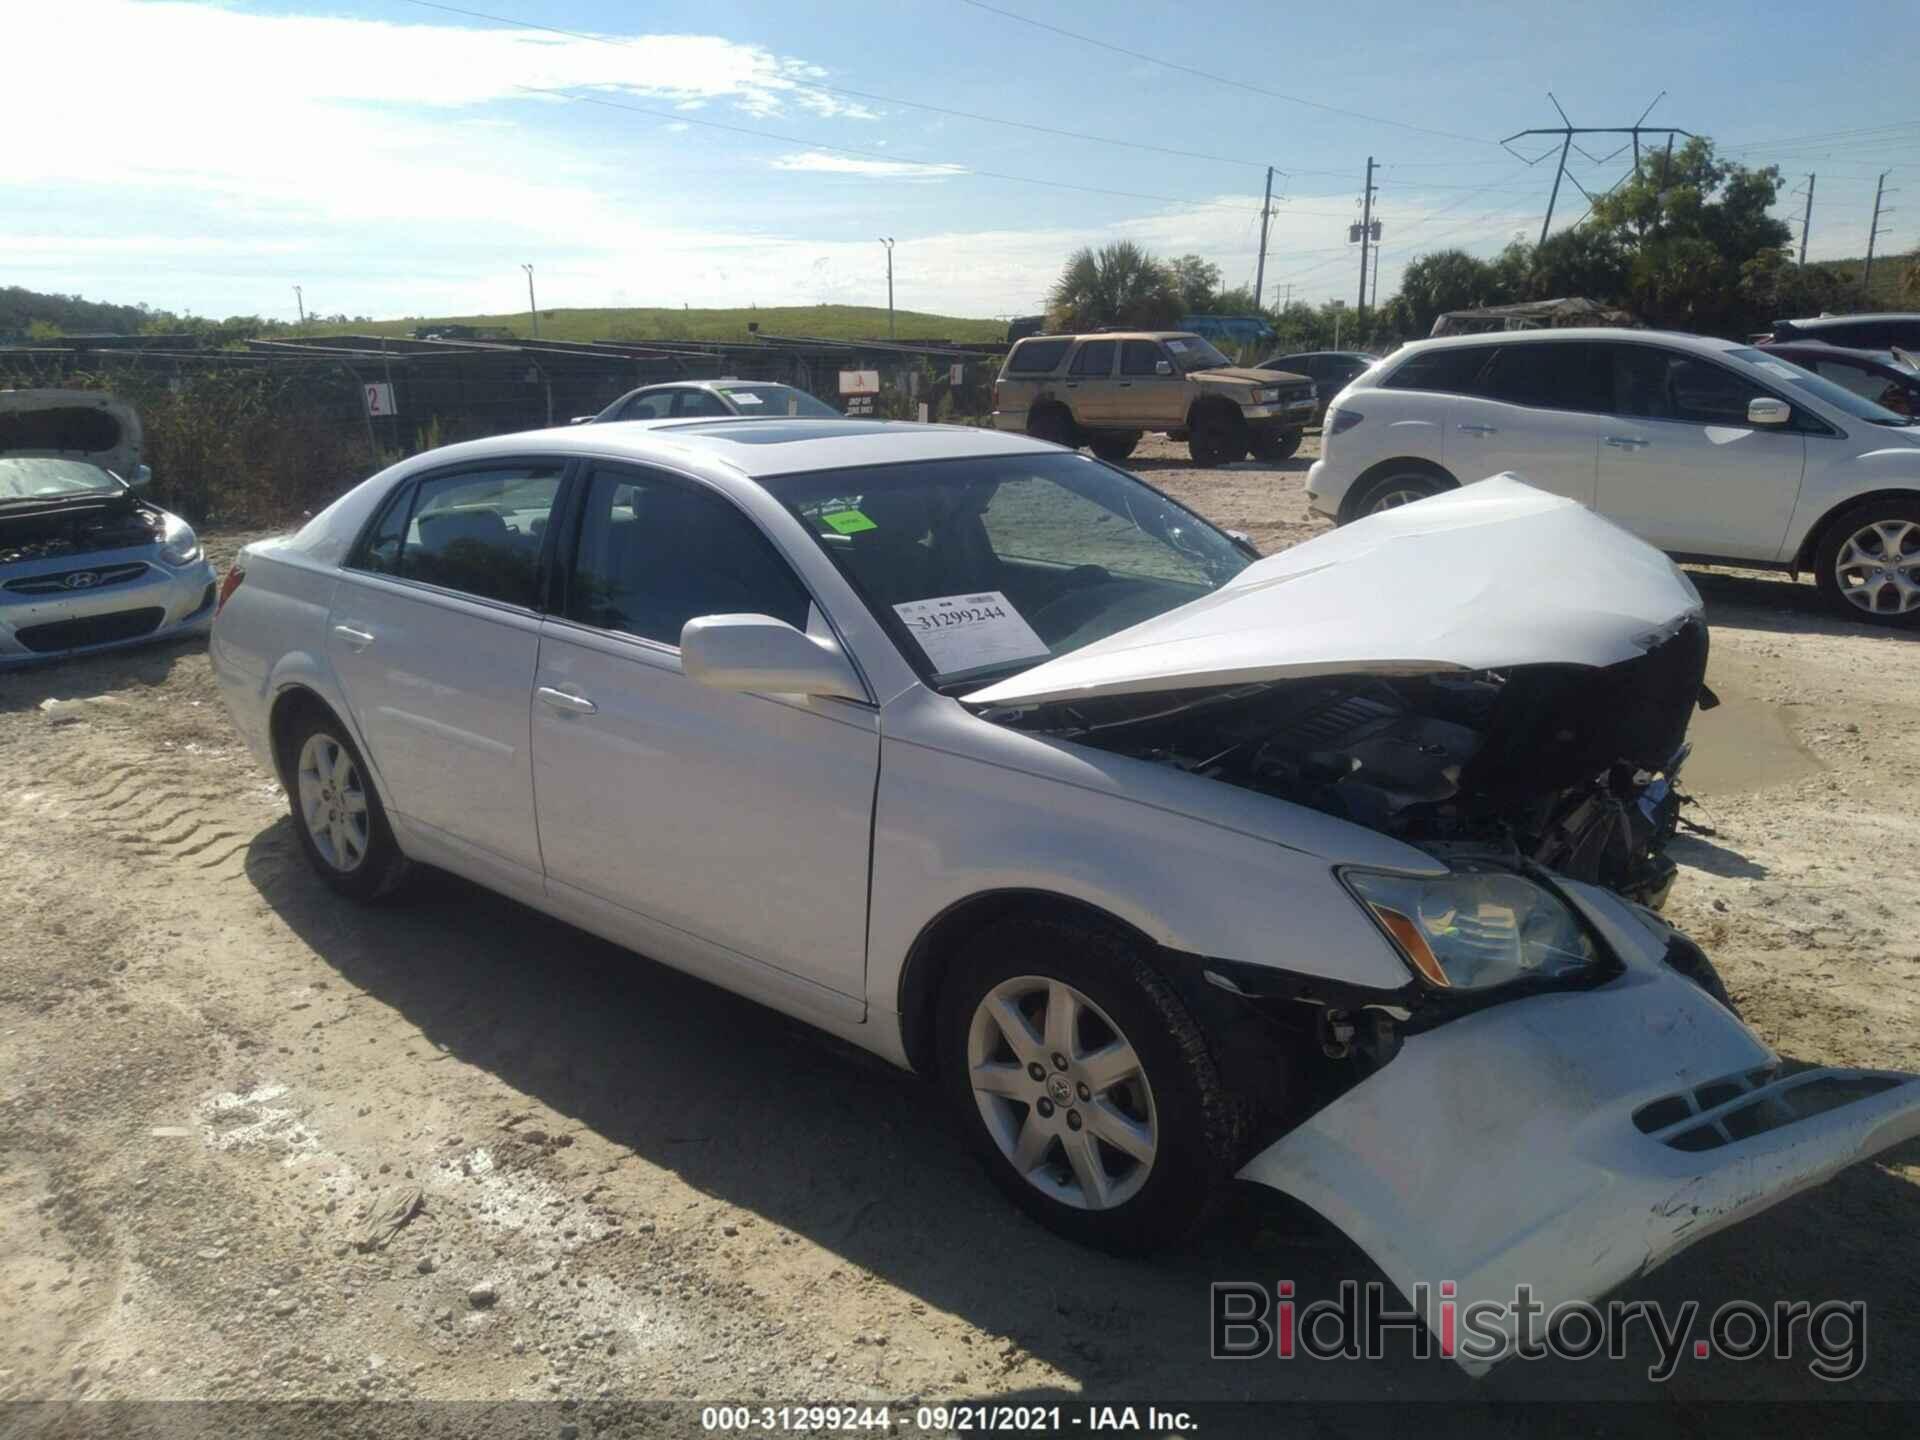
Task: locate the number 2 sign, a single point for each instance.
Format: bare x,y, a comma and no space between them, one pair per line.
380,399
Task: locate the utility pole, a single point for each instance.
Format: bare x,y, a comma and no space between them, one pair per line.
300,303
1260,271
1866,272
1806,222
1565,133
887,240
533,311
1366,233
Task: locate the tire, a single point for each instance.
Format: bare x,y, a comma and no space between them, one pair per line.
1182,1128
1275,445
1397,488
1114,448
1218,439
1851,562
337,814
1054,425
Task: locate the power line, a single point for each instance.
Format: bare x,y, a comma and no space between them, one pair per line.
1224,79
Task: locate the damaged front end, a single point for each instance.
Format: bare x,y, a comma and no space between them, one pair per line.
1565,766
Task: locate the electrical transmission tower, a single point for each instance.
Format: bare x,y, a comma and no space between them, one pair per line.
1568,130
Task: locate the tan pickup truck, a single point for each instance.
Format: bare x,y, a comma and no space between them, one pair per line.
1106,390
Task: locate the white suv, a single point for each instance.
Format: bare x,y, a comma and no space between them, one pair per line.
1710,450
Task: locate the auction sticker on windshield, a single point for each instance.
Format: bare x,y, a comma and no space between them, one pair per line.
966,632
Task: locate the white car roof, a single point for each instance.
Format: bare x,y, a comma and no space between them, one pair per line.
750,448
1676,339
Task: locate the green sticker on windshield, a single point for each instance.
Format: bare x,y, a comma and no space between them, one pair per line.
848,522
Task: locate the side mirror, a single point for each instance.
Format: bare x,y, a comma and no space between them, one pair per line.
1768,411
765,655
1162,367
142,477
583,419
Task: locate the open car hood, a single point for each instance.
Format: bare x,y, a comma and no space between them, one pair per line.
1486,577
88,425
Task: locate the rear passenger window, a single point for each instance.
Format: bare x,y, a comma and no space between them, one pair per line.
692,404
1037,357
1448,372
651,406
478,532
1561,375
655,554
1095,360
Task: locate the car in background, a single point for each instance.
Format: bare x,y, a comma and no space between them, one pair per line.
1876,375
1239,331
1330,370
1709,449
711,399
1105,390
85,563
1857,332
991,760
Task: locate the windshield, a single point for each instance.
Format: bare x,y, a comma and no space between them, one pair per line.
761,401
984,567
1838,396
1191,353
33,477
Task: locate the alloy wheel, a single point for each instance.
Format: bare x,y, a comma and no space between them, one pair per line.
1878,568
1062,1092
1397,494
333,802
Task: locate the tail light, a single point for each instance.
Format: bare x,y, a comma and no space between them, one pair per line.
1341,421
227,586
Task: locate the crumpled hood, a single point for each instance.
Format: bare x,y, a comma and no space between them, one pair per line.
88,425
1493,575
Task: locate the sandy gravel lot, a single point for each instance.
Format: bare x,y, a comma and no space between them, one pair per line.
623,1183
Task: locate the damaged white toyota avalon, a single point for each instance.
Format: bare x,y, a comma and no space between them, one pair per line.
1329,871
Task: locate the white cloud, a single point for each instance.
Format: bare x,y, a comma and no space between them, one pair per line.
826,163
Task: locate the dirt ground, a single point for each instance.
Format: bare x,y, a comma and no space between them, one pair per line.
630,1184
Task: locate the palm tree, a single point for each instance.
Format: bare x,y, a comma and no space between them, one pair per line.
1121,284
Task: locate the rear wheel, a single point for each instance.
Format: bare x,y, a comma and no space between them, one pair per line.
337,815
1868,562
1054,425
1218,438
1088,1091
1275,444
1113,448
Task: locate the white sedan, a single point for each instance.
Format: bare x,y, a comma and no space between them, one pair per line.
1168,864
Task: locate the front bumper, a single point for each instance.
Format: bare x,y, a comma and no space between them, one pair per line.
1568,1142
157,602
1290,413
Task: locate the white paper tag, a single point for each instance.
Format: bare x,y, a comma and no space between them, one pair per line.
743,397
964,632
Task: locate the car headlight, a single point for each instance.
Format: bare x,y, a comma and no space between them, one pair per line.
1265,397
1475,929
178,544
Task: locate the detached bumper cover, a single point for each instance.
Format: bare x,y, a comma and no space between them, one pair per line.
1570,1142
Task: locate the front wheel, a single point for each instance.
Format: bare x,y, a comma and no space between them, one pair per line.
1868,562
1218,439
1088,1091
1275,445
1390,492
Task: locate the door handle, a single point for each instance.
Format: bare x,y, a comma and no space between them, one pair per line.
1627,442
561,700
355,639
1479,429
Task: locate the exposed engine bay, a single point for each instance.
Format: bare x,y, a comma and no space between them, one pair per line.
1568,766
77,526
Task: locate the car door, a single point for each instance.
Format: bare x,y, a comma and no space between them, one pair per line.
1680,465
741,820
1150,389
433,634
1533,412
1089,384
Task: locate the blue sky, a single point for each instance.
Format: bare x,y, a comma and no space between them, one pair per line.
395,158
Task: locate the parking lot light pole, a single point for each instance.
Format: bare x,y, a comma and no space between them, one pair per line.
887,240
533,311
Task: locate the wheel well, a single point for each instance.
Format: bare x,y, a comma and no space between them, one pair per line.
946,935
1213,405
1356,492
289,706
1803,558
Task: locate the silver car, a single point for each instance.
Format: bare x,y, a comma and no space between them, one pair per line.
1163,863
85,563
